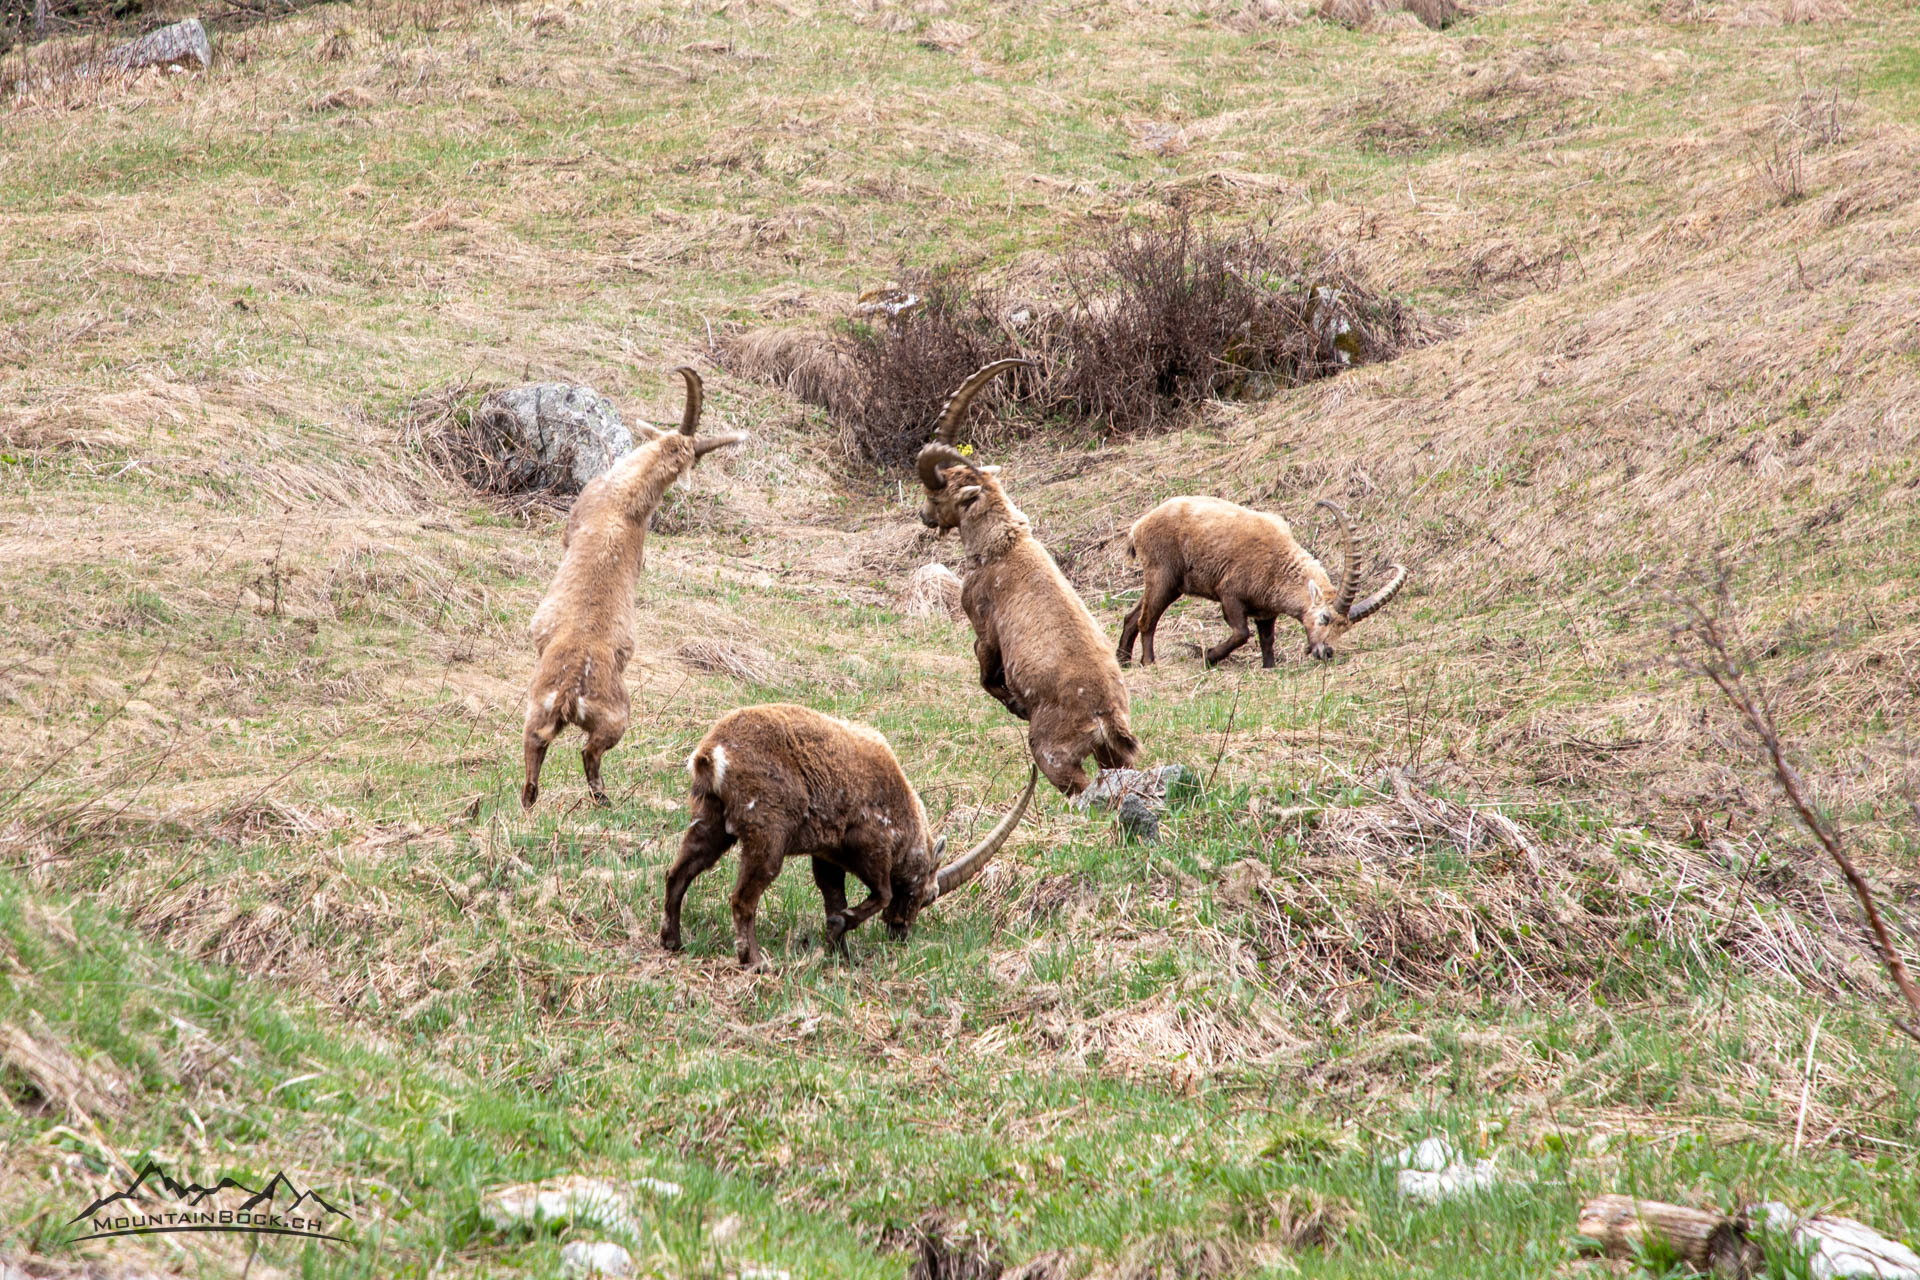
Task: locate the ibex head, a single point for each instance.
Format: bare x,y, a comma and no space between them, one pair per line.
932,880
941,511
1326,620
690,417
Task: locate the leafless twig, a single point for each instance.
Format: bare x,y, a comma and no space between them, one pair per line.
1719,657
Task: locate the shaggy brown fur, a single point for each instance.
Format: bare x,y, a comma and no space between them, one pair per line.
787,782
583,631
1040,651
1250,563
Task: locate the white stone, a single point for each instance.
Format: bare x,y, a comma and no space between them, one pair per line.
1434,1170
582,1201
660,1187
602,1258
1842,1247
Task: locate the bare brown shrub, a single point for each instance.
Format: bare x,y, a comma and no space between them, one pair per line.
1150,322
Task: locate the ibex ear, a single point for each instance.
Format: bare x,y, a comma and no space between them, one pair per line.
1313,593
989,471
967,495
939,848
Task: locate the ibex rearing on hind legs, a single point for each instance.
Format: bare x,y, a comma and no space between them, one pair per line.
583,631
1251,564
1041,654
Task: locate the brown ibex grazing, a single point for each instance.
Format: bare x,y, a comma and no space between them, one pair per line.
788,782
583,631
1250,563
1040,652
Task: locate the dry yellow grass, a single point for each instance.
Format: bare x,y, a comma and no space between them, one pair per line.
219,294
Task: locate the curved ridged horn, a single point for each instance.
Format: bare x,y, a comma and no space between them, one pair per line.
701,448
933,457
968,864
1379,597
696,396
961,400
1349,568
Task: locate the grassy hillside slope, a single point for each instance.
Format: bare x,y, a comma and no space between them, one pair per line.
1501,871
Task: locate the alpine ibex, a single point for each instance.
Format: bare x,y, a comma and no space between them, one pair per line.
583,632
1250,563
788,782
1040,652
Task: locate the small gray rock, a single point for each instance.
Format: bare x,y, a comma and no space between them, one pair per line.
552,435
1138,819
1168,782
180,47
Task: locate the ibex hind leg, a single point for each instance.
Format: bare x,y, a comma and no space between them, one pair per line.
1159,596
760,861
705,842
604,719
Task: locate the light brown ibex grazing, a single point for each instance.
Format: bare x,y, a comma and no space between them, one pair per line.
1040,652
1250,563
583,631
788,782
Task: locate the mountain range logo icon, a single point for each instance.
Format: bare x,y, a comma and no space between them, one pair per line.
281,1207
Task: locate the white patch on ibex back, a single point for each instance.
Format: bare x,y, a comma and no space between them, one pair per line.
719,770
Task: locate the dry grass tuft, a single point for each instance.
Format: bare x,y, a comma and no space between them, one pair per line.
40,1074
454,430
743,662
932,592
1446,900
815,366
1361,13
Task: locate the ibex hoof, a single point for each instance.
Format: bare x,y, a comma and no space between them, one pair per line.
528,795
670,939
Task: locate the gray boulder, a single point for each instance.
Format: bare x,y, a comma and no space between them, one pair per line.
552,435
1167,784
180,47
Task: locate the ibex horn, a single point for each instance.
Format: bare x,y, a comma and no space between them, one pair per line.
968,864
696,396
961,400
1379,597
1350,567
933,457
705,446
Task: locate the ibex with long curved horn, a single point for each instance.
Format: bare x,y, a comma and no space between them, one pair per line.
583,632
1040,652
1251,564
788,782
939,511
